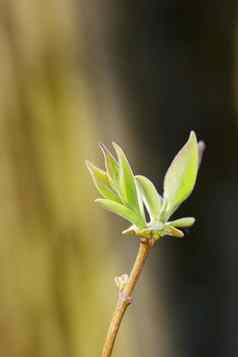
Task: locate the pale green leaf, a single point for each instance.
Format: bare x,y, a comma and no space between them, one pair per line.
121,211
182,222
111,165
128,183
172,231
101,182
151,197
181,176
130,231
142,233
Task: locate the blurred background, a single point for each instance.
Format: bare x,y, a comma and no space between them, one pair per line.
74,73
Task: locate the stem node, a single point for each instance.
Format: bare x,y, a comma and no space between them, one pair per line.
125,295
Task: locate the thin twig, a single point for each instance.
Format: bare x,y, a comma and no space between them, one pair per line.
125,297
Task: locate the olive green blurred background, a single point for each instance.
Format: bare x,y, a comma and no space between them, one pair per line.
74,73
59,253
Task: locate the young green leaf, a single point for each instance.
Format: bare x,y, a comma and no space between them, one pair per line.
111,165
172,231
122,211
128,183
182,222
151,197
142,233
101,182
181,176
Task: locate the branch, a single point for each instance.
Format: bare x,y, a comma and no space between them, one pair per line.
125,296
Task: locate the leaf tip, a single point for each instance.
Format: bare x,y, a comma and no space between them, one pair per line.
89,165
98,200
116,147
92,168
102,147
193,136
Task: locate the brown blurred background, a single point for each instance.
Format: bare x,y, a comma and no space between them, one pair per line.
74,73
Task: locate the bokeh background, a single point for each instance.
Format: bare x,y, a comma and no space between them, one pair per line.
74,73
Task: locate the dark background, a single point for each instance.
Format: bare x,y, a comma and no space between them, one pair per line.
176,60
